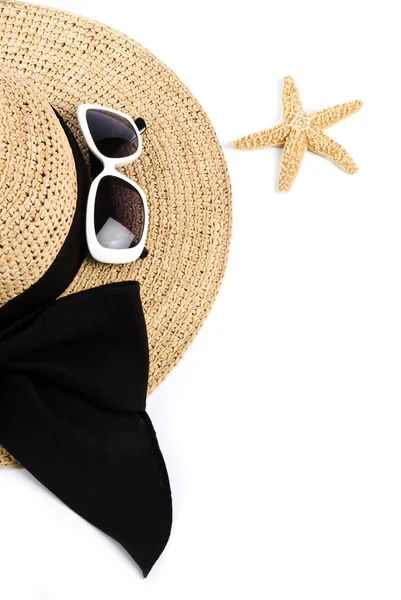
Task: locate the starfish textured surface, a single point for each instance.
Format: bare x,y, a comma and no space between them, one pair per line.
300,132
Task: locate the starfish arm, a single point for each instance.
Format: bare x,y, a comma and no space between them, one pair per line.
290,98
263,139
293,153
322,144
330,116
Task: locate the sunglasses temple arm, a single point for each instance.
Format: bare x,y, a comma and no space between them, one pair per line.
140,123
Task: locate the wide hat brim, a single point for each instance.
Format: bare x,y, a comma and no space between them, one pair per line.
182,168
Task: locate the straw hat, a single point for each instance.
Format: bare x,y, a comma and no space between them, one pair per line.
51,58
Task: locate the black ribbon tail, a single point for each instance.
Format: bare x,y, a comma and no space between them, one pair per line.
74,379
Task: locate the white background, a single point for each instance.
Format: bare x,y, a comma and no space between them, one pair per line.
281,427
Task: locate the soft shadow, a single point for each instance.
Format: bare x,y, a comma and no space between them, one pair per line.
228,145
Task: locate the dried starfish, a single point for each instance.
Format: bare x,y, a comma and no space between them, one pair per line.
300,132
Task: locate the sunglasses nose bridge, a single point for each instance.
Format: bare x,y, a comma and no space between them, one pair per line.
105,164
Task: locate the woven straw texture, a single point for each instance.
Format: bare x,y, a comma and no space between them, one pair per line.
182,170
37,183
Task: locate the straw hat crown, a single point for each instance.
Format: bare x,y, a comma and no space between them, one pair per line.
38,188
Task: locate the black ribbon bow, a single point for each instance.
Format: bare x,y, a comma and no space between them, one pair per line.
73,381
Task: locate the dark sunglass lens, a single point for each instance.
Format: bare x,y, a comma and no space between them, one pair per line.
113,135
119,214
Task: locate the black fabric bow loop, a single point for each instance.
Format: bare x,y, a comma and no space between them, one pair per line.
73,381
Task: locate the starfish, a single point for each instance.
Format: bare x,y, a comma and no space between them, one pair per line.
300,132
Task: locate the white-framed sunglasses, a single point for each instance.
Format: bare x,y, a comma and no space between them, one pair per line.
117,212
